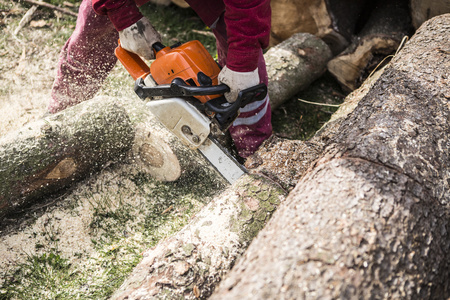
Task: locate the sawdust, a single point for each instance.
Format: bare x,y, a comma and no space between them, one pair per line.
283,160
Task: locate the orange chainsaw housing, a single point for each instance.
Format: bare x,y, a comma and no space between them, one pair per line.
184,61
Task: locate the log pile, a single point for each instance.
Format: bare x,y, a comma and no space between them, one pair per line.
369,216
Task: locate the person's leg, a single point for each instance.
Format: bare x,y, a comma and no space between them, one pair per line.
85,60
253,126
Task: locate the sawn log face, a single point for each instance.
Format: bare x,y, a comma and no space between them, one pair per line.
371,219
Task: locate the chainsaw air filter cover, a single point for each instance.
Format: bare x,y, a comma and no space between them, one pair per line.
190,62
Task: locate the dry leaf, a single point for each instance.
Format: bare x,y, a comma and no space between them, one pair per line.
38,24
196,291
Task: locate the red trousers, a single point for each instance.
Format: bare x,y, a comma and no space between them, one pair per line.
88,56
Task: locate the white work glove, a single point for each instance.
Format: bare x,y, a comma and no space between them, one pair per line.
237,81
139,38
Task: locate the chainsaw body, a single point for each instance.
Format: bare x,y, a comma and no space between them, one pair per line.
189,62
192,106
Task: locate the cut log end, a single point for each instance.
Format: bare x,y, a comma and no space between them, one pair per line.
153,156
352,68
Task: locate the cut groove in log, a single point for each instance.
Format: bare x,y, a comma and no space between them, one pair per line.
370,219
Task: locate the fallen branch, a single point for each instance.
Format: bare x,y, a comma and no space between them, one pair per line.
51,6
25,19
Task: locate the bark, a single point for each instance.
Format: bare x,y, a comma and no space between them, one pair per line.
370,219
190,264
381,35
54,152
334,22
293,65
422,10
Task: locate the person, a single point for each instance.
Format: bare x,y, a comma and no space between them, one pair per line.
241,28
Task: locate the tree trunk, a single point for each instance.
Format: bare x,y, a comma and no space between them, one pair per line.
293,65
382,34
370,219
190,264
334,22
53,153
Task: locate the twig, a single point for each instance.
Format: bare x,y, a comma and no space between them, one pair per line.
25,19
206,33
319,104
48,5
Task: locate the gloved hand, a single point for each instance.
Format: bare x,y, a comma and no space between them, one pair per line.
237,81
139,38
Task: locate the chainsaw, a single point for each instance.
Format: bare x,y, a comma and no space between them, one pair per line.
186,98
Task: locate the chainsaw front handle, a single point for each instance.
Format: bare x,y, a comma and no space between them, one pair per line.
225,111
178,88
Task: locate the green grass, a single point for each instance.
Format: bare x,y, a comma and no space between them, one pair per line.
40,277
126,220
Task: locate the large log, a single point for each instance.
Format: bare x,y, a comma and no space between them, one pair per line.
370,219
52,153
381,35
294,64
